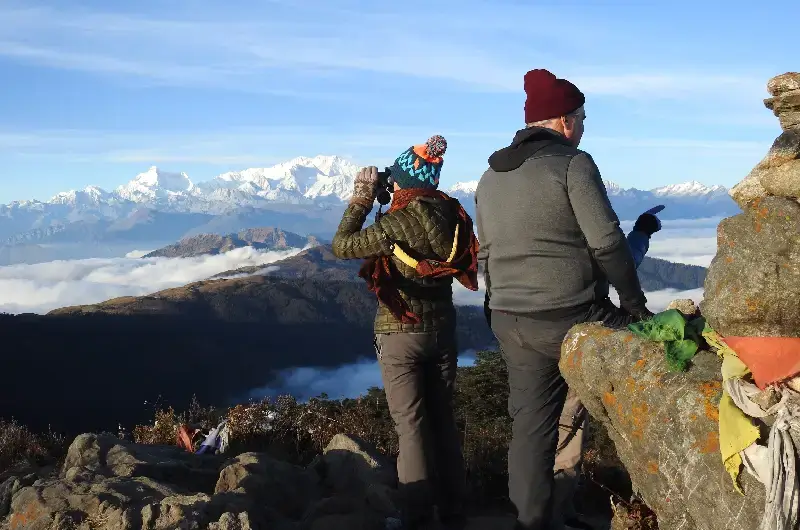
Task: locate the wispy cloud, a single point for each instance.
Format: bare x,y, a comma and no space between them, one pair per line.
234,52
253,144
743,148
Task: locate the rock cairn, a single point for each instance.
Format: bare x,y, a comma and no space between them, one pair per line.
778,174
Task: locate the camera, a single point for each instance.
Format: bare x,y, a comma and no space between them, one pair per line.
385,187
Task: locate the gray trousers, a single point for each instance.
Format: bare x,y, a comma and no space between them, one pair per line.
419,372
549,421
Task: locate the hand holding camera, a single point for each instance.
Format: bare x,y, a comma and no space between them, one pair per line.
371,184
366,184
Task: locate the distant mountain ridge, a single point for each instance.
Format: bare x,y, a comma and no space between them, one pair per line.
319,263
303,195
688,200
257,238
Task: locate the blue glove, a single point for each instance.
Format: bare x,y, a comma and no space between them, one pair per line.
648,222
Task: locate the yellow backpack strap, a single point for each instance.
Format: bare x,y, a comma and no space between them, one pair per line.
401,254
452,255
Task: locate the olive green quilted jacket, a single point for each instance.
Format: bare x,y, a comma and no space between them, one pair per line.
424,229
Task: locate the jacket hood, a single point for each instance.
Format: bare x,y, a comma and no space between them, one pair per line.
525,144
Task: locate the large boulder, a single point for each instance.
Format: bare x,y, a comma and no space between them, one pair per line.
266,482
753,284
351,463
664,426
349,466
91,455
114,503
785,100
767,177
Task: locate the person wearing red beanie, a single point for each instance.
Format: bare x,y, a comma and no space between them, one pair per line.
550,246
548,97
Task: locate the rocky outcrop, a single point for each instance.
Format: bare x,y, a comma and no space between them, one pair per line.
753,283
117,485
664,426
778,174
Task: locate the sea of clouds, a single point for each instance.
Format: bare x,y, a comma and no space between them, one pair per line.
42,287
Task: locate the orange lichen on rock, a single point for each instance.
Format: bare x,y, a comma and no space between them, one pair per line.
712,412
652,467
23,518
752,305
710,388
574,359
639,419
709,445
761,214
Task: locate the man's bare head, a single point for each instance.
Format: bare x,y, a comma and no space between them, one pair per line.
570,125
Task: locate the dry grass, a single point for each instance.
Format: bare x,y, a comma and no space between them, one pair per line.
20,447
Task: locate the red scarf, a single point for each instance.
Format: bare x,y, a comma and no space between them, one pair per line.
377,271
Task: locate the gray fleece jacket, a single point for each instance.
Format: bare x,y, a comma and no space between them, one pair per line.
550,242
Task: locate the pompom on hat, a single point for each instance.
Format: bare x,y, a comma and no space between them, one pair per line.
420,165
549,97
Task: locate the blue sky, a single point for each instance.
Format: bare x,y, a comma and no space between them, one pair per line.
95,92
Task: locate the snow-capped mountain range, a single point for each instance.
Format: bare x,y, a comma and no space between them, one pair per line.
303,195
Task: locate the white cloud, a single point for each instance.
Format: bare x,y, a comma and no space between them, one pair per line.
346,381
43,287
690,242
227,51
689,250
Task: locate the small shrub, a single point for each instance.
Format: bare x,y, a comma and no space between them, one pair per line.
19,446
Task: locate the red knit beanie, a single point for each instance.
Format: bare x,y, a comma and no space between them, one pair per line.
548,97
